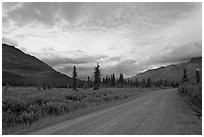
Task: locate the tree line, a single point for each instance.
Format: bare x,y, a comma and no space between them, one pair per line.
111,81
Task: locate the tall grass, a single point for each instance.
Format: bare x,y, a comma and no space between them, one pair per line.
193,91
28,105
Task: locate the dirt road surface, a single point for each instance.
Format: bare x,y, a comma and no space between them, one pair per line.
161,112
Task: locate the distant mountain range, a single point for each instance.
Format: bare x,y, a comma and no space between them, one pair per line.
173,72
20,69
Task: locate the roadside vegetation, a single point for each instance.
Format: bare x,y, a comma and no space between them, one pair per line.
192,91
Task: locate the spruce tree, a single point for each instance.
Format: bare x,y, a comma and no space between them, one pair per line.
136,83
106,81
121,81
74,76
185,78
109,81
97,77
165,83
88,82
148,82
113,80
197,76
144,83
161,83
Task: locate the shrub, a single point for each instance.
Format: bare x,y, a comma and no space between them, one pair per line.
52,108
8,119
193,91
27,117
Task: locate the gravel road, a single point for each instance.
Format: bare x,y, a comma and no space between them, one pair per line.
163,112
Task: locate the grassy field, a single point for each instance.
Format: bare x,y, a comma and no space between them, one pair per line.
24,107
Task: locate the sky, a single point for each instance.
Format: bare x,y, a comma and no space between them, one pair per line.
122,37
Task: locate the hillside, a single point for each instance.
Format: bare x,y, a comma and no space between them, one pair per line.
20,69
172,72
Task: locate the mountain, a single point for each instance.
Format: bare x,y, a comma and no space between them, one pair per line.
172,72
20,69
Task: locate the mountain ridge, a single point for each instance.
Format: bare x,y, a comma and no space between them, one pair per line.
173,72
19,68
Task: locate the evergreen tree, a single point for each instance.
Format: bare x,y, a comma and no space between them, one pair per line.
161,83
144,84
113,80
121,80
185,78
97,77
109,81
88,82
128,82
165,83
148,82
197,76
74,76
136,83
131,84
106,81
172,84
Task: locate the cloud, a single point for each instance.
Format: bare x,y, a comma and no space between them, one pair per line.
11,7
108,15
123,37
52,57
174,55
9,41
38,12
58,61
